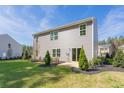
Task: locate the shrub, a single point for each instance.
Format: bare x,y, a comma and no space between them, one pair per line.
119,59
47,58
107,55
95,62
26,52
83,63
109,61
92,65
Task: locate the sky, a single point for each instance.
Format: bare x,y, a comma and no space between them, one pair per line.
20,22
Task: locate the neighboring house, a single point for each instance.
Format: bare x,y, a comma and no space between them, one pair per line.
9,48
121,47
104,49
65,42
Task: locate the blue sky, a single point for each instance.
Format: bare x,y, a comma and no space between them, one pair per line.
21,22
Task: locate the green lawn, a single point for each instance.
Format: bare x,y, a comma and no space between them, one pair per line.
22,73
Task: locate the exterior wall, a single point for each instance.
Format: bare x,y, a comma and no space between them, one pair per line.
67,39
16,47
122,48
104,50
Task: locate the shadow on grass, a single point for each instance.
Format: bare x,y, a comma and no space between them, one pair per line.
16,74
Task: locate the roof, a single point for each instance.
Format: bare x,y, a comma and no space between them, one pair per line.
65,26
105,45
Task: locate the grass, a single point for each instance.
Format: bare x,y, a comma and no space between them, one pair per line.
23,73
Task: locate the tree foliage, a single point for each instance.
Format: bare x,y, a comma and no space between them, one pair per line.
27,52
114,41
47,58
119,59
83,62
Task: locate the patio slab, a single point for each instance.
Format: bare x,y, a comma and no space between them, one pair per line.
70,64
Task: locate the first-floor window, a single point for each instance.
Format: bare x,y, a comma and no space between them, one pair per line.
56,52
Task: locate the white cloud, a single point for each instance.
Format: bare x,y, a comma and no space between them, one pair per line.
21,22
49,14
113,24
14,25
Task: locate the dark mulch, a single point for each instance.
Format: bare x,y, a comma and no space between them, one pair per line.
43,65
53,64
98,69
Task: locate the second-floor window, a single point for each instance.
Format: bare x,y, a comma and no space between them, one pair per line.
82,29
53,35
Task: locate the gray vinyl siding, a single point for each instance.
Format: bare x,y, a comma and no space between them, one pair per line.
68,38
16,47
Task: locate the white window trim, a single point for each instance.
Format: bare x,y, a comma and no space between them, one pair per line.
53,37
86,28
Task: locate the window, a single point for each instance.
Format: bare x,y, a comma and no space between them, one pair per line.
9,45
58,52
78,53
54,52
82,29
53,35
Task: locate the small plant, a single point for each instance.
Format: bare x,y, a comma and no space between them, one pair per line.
109,61
47,58
83,63
119,59
92,65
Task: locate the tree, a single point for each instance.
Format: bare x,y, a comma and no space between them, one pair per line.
114,49
47,58
109,40
27,52
118,59
83,63
102,42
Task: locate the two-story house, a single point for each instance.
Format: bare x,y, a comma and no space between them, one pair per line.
65,42
104,49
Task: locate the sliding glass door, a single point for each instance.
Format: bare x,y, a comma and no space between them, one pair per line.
75,54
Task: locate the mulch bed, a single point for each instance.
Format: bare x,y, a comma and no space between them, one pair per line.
53,64
98,69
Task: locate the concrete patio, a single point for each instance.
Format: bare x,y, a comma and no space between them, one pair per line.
70,64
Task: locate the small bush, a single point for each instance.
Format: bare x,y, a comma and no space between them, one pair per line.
95,62
119,59
92,65
107,55
47,58
83,63
109,61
